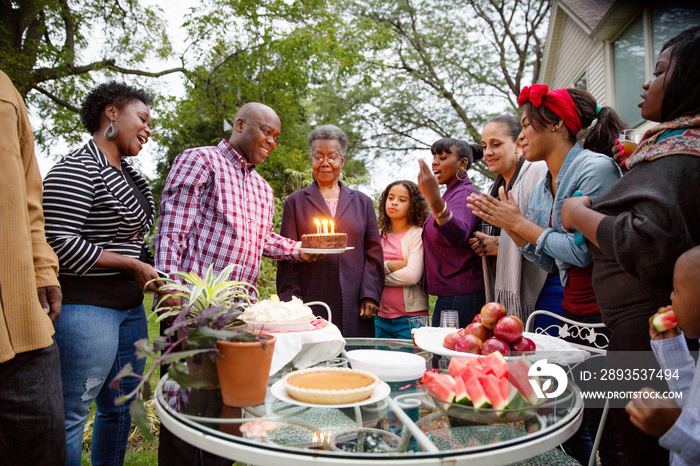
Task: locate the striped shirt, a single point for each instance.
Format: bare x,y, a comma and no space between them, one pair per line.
683,438
90,207
216,209
26,260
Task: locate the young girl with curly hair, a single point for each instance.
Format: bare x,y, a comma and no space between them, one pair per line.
402,212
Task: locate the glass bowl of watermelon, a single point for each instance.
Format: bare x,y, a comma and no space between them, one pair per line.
484,390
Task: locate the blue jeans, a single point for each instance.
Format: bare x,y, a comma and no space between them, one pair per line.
31,410
392,328
96,343
467,305
550,299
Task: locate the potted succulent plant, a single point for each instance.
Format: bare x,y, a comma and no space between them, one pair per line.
189,345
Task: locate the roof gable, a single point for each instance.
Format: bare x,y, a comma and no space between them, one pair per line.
587,13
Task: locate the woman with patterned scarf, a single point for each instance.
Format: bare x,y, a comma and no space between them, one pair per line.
638,227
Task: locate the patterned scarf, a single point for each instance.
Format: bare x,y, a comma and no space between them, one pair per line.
654,145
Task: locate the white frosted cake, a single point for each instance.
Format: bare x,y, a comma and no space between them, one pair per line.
275,315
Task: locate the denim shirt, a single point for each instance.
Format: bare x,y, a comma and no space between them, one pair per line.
585,171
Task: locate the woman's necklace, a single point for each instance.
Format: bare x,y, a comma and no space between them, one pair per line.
109,157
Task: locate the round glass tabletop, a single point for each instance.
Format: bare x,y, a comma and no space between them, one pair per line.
405,427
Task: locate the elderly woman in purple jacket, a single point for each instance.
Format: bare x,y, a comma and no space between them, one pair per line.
453,271
351,283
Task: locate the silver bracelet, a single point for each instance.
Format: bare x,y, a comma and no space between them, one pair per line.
442,212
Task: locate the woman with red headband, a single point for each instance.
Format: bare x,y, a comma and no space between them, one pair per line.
550,126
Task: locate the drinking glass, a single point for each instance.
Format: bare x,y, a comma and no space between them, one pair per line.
417,322
488,229
449,319
630,138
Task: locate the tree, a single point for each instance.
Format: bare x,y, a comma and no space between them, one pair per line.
275,54
438,68
44,45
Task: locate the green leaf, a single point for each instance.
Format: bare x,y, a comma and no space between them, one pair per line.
127,370
138,416
184,379
143,348
181,355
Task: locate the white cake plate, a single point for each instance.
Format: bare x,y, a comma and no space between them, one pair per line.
325,251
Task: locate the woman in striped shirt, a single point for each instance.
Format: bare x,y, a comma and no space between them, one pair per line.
98,209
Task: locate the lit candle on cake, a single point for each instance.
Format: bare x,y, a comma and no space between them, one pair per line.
323,238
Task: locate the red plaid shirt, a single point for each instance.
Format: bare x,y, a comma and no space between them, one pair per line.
216,209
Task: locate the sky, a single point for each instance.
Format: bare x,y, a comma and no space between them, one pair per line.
381,171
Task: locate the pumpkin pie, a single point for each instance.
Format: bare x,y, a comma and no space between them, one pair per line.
330,385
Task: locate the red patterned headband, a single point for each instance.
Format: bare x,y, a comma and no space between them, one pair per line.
559,101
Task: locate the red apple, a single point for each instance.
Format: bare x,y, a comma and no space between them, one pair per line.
524,345
491,313
451,340
477,318
469,344
478,330
462,331
494,344
509,329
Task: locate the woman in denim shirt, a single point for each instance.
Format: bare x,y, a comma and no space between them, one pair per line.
550,125
551,137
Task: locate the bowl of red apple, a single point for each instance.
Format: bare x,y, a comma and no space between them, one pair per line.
491,330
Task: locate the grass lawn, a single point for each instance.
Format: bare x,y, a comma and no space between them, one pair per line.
139,451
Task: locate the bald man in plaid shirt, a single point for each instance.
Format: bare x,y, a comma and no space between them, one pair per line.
216,209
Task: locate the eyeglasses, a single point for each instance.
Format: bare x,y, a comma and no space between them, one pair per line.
318,159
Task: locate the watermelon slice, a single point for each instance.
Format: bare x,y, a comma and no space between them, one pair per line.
518,376
503,385
461,395
515,399
457,366
495,364
442,386
491,385
664,321
474,389
476,368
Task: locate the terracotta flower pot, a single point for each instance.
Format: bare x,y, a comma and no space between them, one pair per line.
244,370
204,365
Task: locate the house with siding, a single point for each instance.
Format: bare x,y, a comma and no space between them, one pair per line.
610,47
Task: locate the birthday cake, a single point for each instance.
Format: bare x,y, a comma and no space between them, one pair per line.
325,241
275,315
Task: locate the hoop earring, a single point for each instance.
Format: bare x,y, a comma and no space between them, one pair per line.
111,132
465,174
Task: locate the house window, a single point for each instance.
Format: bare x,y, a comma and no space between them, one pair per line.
629,69
582,82
668,22
630,53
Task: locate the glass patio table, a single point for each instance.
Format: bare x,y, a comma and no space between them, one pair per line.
405,427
